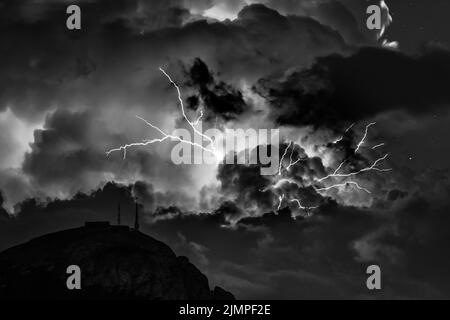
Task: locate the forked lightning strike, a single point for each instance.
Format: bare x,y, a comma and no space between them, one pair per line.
292,162
373,167
165,135
344,184
335,174
180,100
363,140
301,207
282,158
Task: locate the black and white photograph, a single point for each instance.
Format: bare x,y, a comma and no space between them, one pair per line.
224,150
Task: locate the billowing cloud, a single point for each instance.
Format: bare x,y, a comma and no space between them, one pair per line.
218,98
337,91
308,68
95,81
257,257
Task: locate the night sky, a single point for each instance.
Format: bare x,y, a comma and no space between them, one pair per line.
419,22
363,128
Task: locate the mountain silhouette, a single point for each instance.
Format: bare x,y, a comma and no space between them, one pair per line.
116,262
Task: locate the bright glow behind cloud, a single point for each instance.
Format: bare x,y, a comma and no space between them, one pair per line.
17,135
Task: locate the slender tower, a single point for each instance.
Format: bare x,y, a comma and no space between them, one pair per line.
118,214
136,218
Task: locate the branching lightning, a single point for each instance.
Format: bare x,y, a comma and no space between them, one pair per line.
191,124
166,136
301,207
344,184
292,162
373,167
363,140
279,182
336,174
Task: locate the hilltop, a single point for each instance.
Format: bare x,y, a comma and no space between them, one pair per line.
116,263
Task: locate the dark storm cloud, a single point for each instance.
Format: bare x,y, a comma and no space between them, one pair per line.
110,68
326,255
3,212
68,155
278,28
308,168
16,187
340,90
342,16
414,238
230,211
38,55
42,62
95,76
46,66
275,256
417,22
339,17
248,189
155,13
156,202
219,98
35,217
245,184
64,150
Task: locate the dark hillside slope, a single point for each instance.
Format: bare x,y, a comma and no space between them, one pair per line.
116,263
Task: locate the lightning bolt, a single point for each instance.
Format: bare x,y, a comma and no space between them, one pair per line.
293,162
337,173
282,158
363,140
180,100
301,207
280,199
276,186
373,167
279,183
346,130
378,146
344,184
166,136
